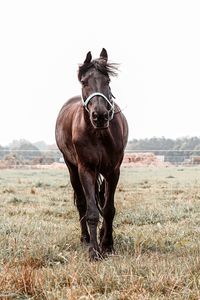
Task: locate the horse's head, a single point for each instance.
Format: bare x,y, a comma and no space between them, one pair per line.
96,92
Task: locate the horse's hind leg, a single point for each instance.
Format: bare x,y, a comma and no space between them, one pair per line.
101,193
80,201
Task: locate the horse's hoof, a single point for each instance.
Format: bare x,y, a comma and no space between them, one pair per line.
94,255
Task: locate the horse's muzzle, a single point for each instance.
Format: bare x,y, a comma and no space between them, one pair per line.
100,125
100,121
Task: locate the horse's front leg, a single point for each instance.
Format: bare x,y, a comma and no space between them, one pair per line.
79,198
88,179
106,233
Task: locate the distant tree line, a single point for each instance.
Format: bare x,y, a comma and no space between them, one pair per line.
173,150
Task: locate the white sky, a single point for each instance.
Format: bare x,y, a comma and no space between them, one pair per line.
157,44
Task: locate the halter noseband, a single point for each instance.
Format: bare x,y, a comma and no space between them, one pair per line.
85,102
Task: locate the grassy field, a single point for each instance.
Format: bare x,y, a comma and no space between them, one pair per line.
156,234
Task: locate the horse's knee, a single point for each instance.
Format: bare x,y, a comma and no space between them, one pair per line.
92,217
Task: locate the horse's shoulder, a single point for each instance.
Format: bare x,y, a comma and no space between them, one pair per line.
73,100
69,106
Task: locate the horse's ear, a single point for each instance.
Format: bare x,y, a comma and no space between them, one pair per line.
104,54
88,58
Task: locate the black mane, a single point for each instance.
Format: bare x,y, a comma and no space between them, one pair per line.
99,65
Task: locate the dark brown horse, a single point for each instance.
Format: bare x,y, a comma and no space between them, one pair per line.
91,133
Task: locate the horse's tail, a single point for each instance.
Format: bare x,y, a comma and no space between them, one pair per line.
99,193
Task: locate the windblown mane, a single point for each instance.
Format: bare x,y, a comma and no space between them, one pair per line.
100,65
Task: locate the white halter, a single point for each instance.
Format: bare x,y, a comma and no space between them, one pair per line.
85,102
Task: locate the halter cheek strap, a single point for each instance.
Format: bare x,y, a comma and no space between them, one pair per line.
85,102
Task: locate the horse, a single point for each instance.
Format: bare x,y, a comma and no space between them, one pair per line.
92,133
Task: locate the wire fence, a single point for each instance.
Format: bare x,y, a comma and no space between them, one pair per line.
30,154
174,156
24,157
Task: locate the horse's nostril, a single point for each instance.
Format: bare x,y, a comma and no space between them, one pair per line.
94,116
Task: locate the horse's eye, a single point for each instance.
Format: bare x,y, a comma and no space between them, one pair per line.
84,82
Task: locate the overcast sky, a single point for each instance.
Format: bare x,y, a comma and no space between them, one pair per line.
157,44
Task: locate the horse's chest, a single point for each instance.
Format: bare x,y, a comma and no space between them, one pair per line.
105,156
99,156
99,151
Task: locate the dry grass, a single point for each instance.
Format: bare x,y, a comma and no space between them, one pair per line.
156,231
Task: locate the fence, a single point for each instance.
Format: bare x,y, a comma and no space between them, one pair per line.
22,158
187,156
